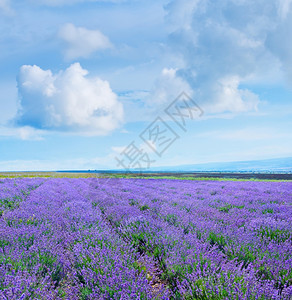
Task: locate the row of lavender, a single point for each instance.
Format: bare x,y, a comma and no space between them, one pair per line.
57,245
212,240
99,239
12,192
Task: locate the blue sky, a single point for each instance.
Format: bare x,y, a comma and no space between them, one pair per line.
83,81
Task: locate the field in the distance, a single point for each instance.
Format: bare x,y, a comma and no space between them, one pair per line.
257,176
118,238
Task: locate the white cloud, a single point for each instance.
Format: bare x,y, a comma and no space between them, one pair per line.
24,133
29,133
222,95
168,87
142,105
228,97
181,13
224,44
67,101
82,42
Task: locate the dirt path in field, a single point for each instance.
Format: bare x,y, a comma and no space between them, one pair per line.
146,264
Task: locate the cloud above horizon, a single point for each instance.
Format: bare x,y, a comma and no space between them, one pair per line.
82,42
68,101
168,87
225,44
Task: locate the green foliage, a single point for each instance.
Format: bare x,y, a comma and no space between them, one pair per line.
144,207
4,243
245,254
225,208
171,219
239,206
276,235
9,204
25,241
85,292
94,204
188,209
267,211
217,239
133,202
140,267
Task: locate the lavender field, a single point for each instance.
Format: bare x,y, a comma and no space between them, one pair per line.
145,239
